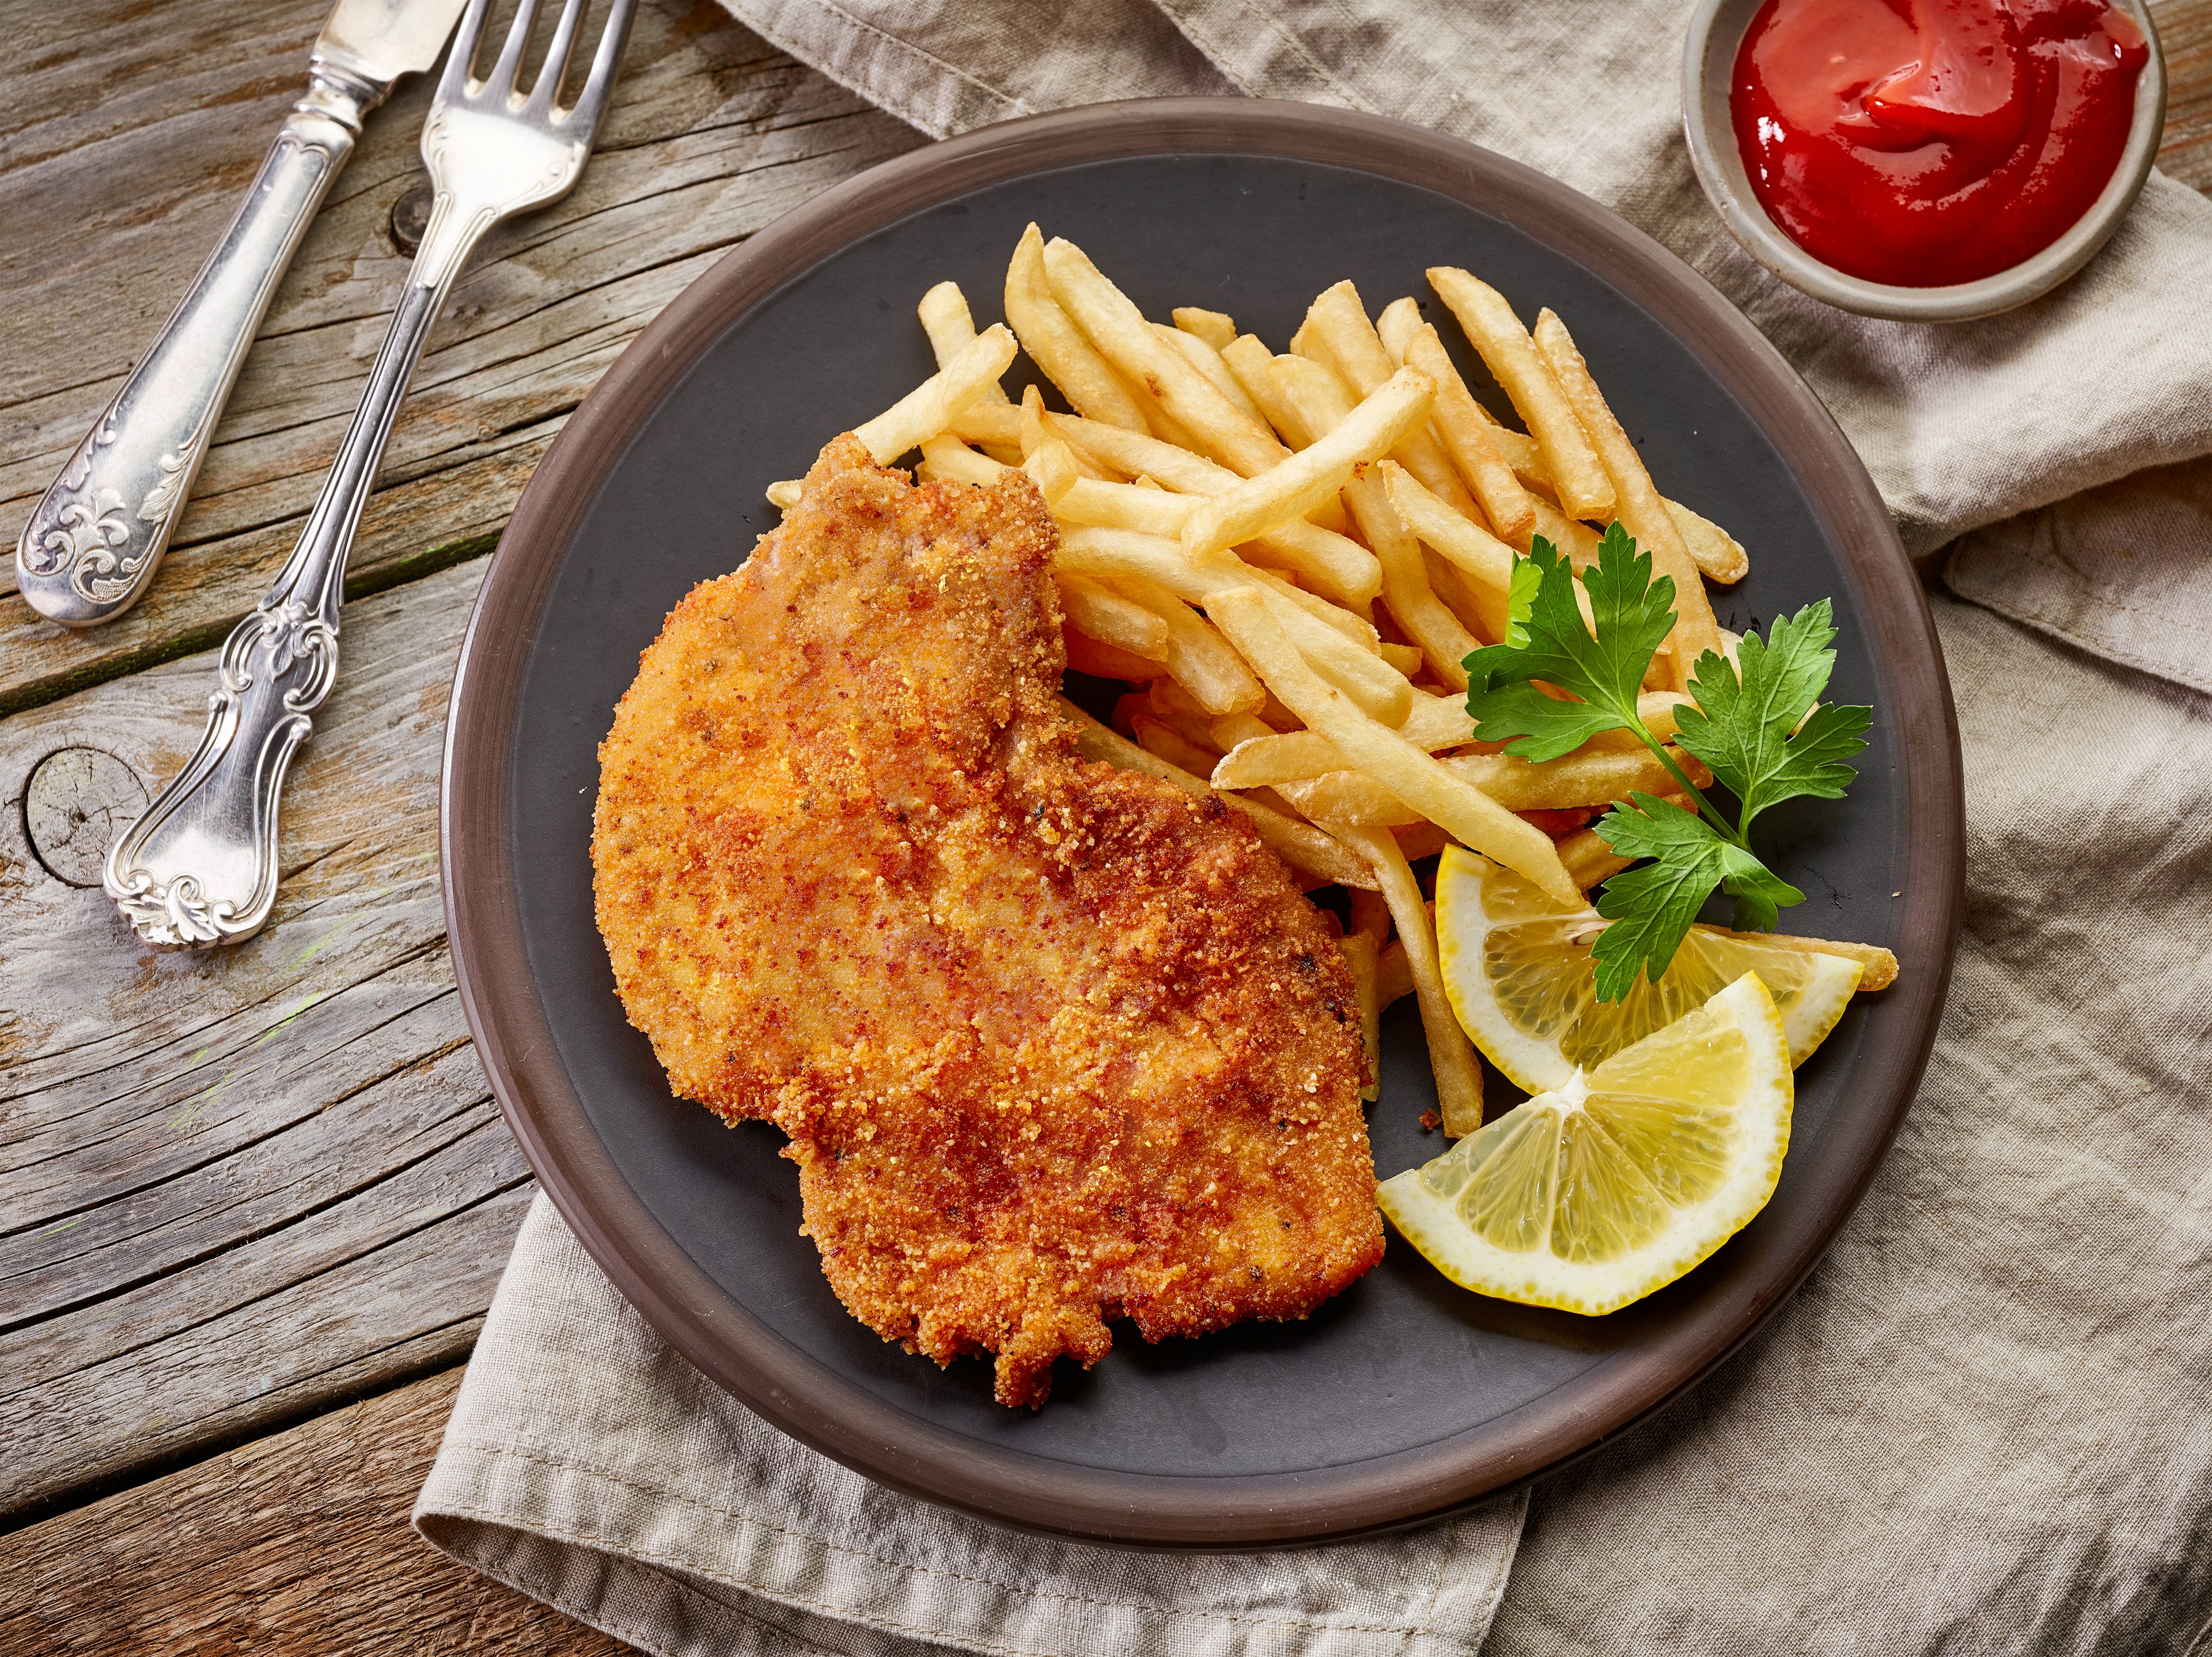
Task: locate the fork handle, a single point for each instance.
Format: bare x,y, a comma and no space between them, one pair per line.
91,544
199,866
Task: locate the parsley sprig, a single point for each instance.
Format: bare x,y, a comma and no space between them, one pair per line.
1759,725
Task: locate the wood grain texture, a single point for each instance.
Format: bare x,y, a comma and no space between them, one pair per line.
2184,30
298,1542
120,169
236,1186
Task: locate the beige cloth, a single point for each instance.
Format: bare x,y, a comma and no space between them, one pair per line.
588,1464
1977,1428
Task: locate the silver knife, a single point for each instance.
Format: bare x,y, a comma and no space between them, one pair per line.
91,544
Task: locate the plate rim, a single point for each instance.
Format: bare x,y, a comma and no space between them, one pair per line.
797,1394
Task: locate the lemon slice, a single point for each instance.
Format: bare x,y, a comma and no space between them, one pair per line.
1516,964
1593,1196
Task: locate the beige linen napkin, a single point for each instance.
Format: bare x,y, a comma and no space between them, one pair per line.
1974,1429
588,1464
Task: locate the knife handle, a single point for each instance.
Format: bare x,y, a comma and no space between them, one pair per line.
94,540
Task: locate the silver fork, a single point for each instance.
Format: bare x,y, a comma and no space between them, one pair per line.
199,867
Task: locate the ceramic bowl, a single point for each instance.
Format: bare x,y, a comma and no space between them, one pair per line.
1717,31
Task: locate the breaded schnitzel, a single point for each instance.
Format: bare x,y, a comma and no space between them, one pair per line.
1053,1043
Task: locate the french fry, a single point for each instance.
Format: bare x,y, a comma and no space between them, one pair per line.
1329,562
1520,451
1197,656
1163,425
1207,360
1301,846
1057,346
1123,507
1103,661
1301,483
1324,402
1577,540
1578,779
1125,339
1135,453
1458,537
1437,722
1583,486
1340,566
1483,609
1396,323
1484,562
1028,422
784,494
1339,795
1173,700
946,459
1168,701
1162,740
1348,799
1233,731
1410,773
1120,557
1878,966
1052,469
929,407
1718,554
1215,329
999,424
1253,364
1393,978
1359,952
1110,618
1451,1057
1406,658
1589,860
945,318
1335,617
1642,510
1420,840
1471,440
1371,915
1443,639
1340,322
1261,758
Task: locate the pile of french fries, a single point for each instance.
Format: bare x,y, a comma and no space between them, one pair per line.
1291,555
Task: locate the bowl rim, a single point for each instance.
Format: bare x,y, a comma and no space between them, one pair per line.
1715,33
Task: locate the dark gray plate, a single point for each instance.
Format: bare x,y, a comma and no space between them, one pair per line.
1404,1397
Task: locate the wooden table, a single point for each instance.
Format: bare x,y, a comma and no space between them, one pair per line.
253,1204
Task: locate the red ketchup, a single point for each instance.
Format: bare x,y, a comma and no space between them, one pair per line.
1925,143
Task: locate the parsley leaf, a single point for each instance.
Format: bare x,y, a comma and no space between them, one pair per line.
1751,727
1652,907
1557,680
1604,669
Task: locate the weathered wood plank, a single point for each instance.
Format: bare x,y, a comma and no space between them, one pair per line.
712,136
234,1186
296,1545
2185,29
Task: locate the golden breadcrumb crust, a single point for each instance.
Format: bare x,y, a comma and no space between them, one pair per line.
1053,1043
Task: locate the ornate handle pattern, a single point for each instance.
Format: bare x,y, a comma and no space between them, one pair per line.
91,544
199,867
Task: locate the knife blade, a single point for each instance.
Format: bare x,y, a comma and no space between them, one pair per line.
381,40
91,546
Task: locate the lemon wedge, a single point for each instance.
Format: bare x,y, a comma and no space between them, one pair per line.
1516,964
1616,1184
